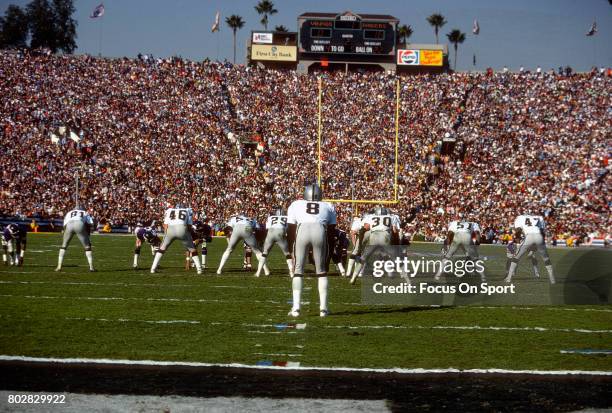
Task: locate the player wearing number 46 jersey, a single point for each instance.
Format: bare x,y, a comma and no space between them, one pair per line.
77,222
463,235
311,224
530,228
177,226
276,227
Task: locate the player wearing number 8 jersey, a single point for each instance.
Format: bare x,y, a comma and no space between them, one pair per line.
531,229
77,222
463,235
311,224
276,227
177,223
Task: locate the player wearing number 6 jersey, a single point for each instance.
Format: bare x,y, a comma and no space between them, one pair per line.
463,235
239,228
276,226
311,224
531,229
177,226
77,222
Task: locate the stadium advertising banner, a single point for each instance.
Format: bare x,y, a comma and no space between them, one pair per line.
274,53
265,38
419,57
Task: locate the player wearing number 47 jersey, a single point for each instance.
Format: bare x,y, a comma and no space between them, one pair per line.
177,226
276,226
77,222
311,224
530,228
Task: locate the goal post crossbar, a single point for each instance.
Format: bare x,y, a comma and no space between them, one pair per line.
396,161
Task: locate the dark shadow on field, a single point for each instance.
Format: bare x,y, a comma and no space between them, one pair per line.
389,310
456,392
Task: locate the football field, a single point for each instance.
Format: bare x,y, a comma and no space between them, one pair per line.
123,314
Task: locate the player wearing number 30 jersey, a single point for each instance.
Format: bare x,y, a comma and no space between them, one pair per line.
531,229
177,224
77,222
311,224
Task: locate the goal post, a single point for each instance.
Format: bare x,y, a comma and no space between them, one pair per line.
396,160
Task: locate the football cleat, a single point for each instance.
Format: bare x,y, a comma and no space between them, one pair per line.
294,313
323,313
199,272
57,269
93,270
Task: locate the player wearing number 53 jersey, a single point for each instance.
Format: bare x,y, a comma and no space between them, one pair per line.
463,235
77,222
276,226
239,228
177,224
531,229
311,224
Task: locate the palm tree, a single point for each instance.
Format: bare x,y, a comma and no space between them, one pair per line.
404,33
265,8
281,29
236,23
437,21
455,36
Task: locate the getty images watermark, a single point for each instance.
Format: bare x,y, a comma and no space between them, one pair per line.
407,268
397,275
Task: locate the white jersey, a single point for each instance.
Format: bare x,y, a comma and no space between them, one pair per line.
304,212
381,223
463,226
241,220
357,224
178,216
78,215
530,224
276,221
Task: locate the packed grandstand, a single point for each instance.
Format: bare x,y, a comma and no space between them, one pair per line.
154,131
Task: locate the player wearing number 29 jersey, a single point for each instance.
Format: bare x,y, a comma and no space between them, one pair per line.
177,224
77,222
276,233
311,224
530,228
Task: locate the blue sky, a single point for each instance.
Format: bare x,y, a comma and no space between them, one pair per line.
514,33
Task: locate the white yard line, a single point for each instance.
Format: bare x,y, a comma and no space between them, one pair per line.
494,328
347,369
186,300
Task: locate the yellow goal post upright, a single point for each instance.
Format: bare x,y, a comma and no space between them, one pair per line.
396,161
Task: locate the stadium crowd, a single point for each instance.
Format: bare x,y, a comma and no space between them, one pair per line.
155,132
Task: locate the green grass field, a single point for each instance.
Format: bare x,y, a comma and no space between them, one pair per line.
120,313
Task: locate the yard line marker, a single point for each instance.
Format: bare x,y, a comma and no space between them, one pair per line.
279,354
397,370
188,300
127,320
494,328
588,352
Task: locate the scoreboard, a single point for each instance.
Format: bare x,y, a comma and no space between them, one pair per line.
346,34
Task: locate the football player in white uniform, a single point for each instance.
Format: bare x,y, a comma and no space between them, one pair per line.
530,228
464,235
276,226
177,226
311,224
240,228
77,222
383,228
